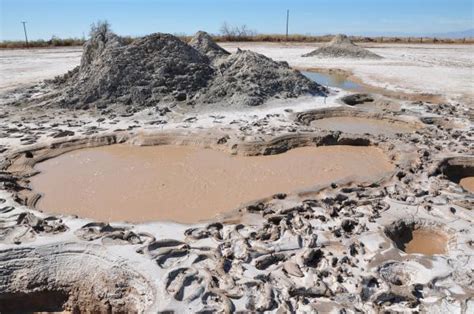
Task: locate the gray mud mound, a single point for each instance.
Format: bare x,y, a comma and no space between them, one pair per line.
247,77
160,68
342,47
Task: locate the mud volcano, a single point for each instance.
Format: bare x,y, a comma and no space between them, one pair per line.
415,239
342,47
189,184
160,69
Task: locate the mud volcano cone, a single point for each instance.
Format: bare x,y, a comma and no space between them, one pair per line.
342,47
160,69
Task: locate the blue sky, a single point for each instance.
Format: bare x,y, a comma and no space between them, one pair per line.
71,18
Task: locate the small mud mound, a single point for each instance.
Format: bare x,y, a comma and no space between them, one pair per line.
459,170
411,238
342,47
160,68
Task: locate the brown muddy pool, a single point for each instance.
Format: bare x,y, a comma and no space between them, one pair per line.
426,242
467,183
189,184
360,125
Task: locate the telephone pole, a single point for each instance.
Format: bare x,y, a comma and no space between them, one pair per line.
287,20
26,36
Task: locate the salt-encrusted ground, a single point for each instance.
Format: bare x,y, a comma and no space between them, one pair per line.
322,250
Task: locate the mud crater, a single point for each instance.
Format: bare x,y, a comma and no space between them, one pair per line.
415,238
459,170
47,279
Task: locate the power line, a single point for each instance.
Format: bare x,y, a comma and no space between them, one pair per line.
26,36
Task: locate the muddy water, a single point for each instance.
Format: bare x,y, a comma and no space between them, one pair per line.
359,125
186,184
426,242
467,183
334,80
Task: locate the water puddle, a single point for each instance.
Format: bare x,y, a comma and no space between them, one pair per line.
426,242
467,183
188,184
360,125
334,80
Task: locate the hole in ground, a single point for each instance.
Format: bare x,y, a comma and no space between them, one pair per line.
40,301
415,239
459,170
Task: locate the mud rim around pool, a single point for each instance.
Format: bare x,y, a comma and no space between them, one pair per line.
20,165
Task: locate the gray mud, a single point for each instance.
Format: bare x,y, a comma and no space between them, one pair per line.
160,69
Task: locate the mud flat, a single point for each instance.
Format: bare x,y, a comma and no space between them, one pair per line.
189,184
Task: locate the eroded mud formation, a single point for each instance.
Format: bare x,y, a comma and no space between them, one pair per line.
342,47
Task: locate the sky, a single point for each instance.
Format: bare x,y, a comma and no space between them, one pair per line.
72,18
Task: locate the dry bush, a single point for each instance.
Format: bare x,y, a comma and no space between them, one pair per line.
236,33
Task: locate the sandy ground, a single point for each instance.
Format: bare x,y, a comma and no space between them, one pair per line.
445,69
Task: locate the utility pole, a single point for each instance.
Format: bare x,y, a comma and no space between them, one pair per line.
26,36
287,20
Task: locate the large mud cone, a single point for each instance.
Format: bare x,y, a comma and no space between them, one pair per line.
149,70
160,69
342,47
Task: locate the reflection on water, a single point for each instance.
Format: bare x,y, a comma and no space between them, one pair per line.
333,80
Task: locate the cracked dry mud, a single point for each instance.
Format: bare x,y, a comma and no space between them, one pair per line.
333,247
